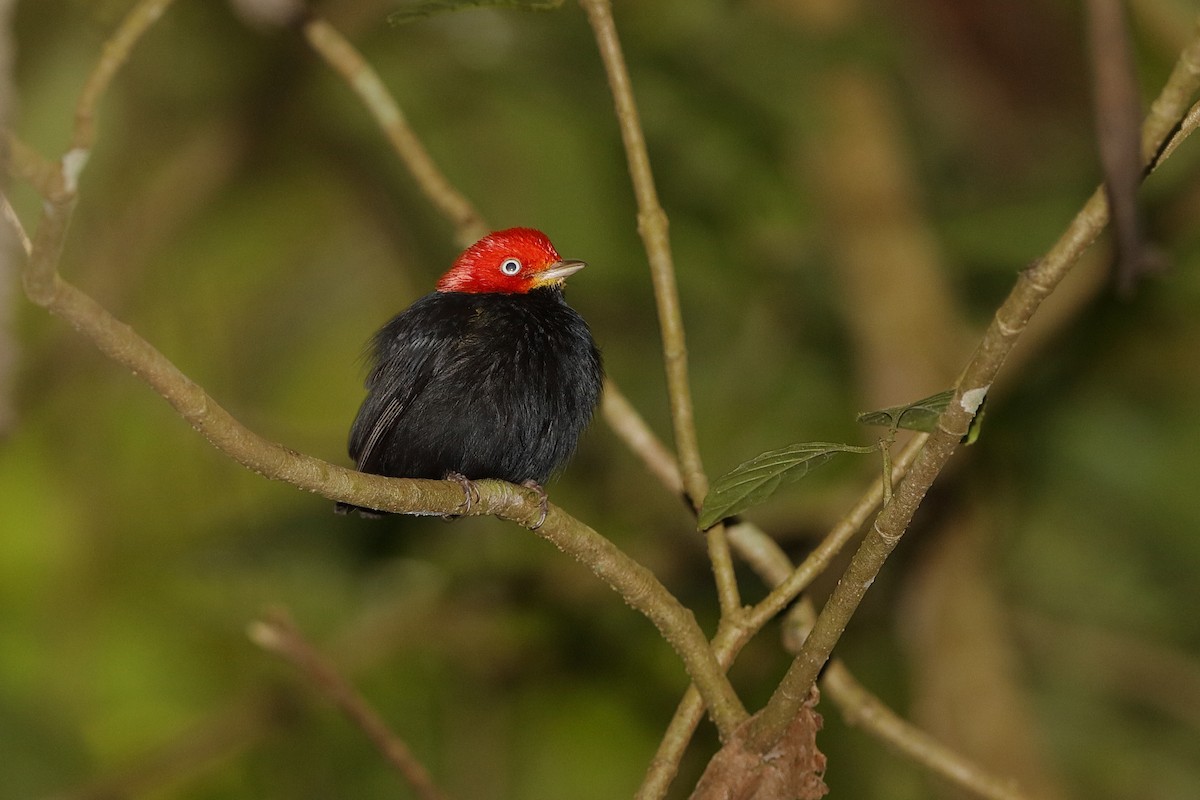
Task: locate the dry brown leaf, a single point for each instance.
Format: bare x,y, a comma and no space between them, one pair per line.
791,770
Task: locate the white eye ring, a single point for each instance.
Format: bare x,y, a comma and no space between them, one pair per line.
510,266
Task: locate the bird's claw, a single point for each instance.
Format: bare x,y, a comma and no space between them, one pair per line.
543,502
470,493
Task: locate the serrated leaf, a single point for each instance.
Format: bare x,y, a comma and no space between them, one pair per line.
420,9
921,415
751,483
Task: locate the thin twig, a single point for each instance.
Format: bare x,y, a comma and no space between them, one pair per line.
1118,113
861,708
279,635
1033,285
22,161
837,538
1177,94
632,429
10,215
116,52
652,225
1186,128
348,62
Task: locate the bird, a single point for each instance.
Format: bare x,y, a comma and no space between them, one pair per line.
492,375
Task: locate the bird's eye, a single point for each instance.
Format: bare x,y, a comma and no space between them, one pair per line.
510,266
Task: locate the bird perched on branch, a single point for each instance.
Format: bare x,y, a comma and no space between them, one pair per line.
492,375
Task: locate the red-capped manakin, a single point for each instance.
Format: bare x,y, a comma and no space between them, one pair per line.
492,375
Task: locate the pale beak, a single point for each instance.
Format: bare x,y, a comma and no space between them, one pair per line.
558,272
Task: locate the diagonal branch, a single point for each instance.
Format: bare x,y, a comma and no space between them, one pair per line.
632,429
116,53
278,634
348,62
635,583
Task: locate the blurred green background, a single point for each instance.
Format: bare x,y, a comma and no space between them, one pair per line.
852,188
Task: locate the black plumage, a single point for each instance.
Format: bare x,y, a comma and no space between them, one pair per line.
491,376
485,385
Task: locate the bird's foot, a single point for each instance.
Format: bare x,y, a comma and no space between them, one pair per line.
543,504
470,494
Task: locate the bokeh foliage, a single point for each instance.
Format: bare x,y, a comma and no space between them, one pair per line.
243,214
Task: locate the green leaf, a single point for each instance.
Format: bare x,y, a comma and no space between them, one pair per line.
919,416
976,424
420,9
922,415
754,481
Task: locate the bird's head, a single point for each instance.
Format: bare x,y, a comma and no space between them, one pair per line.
511,261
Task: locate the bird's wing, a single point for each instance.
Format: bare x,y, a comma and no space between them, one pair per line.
405,355
381,425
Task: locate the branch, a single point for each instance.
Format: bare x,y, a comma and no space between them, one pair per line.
352,67
10,216
1186,128
1118,113
652,225
861,708
858,705
1033,285
631,428
837,538
116,52
22,161
767,559
279,635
